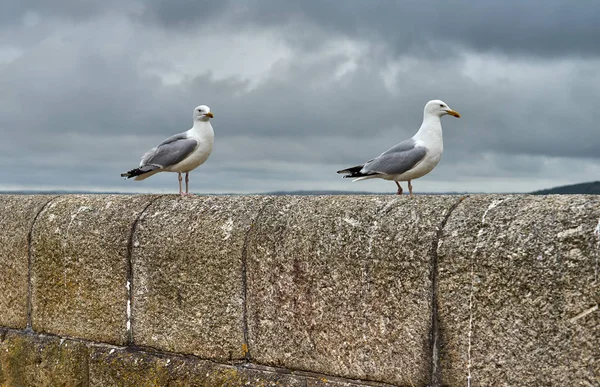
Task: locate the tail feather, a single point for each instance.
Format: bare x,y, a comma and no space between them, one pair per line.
139,171
354,172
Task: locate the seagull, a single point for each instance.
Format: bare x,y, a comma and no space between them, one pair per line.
412,158
179,153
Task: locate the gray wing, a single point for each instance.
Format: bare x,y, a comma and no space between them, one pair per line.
403,146
396,160
169,152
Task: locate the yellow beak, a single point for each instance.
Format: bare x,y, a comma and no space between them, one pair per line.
209,114
453,113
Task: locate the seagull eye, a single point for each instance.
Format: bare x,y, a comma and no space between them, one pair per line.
441,105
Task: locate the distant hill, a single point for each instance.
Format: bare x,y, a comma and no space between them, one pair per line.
591,188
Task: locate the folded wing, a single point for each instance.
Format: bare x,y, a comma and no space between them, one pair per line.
397,160
170,152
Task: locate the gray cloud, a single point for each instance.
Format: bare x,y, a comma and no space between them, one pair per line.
551,28
544,28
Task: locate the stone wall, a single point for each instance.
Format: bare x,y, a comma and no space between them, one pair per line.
109,290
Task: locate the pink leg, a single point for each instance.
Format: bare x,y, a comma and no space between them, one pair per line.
187,182
410,187
399,188
180,178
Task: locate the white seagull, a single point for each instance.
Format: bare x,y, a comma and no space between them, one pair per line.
412,158
179,153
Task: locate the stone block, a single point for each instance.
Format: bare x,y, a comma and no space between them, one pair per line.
518,284
80,266
17,213
188,275
27,360
340,285
116,367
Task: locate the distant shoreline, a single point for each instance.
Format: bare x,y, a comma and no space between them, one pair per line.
589,188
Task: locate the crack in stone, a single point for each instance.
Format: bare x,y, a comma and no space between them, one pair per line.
30,261
584,313
246,344
434,335
130,269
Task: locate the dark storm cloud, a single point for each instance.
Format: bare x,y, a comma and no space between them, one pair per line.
537,28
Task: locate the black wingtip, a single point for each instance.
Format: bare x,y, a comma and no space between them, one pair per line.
132,173
355,175
355,172
139,171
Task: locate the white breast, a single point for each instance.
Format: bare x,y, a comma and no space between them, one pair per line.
432,158
205,137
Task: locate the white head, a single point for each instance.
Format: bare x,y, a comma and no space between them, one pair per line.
202,113
439,108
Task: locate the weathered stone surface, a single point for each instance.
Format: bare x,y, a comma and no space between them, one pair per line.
341,285
514,274
27,360
114,367
328,382
336,285
188,279
79,266
17,213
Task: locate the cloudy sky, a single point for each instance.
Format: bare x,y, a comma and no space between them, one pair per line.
299,90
